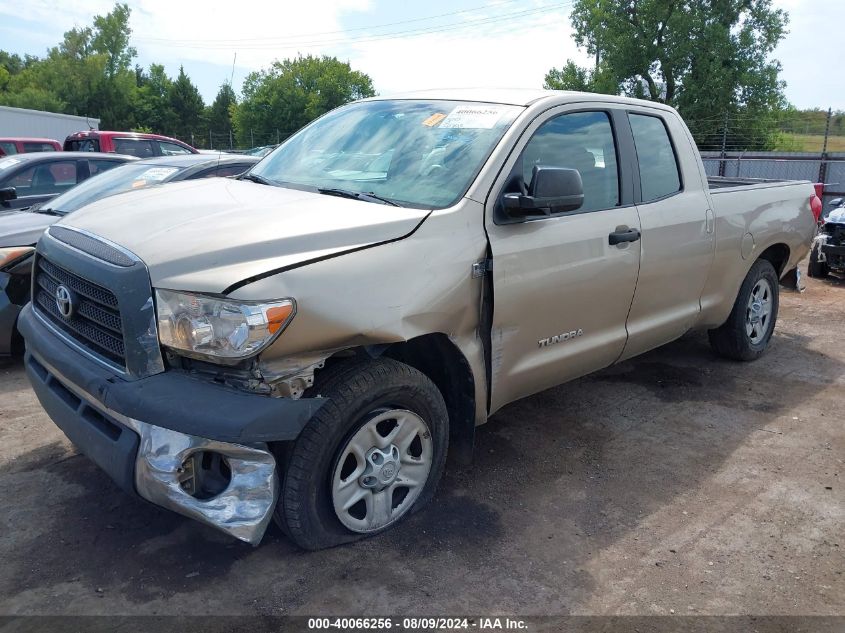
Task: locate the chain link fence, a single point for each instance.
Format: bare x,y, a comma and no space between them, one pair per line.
228,141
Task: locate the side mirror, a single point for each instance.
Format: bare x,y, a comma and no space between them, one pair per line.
8,193
552,190
836,202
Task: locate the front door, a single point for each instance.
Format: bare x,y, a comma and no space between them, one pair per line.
562,291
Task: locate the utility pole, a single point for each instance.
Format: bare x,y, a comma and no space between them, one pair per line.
723,162
823,164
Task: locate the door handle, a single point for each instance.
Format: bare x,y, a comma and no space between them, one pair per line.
620,237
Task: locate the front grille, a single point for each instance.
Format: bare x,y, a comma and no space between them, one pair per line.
95,322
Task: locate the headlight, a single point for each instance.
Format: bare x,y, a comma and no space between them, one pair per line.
11,255
222,328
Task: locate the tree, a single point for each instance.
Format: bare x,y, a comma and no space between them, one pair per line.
187,105
291,93
706,57
220,113
152,100
111,38
574,77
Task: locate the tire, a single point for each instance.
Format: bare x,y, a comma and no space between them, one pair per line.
363,395
732,339
817,269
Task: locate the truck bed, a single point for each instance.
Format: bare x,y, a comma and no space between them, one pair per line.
723,182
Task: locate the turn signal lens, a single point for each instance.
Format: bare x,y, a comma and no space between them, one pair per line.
278,316
9,255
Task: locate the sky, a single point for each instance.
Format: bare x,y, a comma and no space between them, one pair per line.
402,44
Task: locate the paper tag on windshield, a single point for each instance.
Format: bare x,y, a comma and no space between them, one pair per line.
481,117
158,173
434,119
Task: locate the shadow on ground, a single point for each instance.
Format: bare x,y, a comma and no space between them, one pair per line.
557,477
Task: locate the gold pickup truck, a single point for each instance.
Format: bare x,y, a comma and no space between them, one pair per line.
307,341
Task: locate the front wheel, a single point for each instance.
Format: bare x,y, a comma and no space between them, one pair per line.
746,333
369,457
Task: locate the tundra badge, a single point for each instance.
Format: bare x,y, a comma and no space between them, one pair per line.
558,338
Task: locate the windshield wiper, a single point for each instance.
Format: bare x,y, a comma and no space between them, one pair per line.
48,211
261,180
357,195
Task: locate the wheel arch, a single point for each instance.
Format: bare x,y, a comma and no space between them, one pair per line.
436,356
777,255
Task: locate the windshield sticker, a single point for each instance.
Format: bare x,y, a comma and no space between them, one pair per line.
473,117
9,162
434,119
158,174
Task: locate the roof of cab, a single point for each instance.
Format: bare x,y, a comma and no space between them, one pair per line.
515,96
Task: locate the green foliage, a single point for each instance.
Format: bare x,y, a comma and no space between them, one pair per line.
187,106
293,92
708,58
90,73
220,112
574,77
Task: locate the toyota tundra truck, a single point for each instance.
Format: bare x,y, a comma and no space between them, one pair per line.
304,343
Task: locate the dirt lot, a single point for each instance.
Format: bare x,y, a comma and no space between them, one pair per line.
673,483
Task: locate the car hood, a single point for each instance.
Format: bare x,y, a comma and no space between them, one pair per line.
207,235
23,228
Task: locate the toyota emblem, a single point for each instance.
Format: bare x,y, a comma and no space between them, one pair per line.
64,301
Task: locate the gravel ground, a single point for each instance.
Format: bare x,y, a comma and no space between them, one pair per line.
676,482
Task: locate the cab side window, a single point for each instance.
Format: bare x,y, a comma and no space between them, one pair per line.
659,174
171,149
582,141
134,147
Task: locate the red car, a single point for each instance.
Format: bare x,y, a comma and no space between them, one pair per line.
20,145
131,143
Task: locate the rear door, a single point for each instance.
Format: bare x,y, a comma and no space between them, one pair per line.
677,231
561,291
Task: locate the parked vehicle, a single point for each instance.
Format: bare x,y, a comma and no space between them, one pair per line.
306,342
261,151
10,146
20,230
828,253
28,179
132,143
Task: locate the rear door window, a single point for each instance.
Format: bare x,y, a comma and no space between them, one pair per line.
98,166
235,169
142,148
38,147
659,174
8,148
83,145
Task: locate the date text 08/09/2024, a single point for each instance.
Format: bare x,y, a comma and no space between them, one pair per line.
413,624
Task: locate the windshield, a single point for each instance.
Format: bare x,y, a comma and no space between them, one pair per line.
415,153
117,180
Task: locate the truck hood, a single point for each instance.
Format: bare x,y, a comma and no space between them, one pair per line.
206,235
23,228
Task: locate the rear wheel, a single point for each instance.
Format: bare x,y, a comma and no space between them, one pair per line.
746,333
815,268
369,457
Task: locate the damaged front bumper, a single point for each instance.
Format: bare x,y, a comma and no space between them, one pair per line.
143,433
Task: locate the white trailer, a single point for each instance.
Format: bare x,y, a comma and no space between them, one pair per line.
36,123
